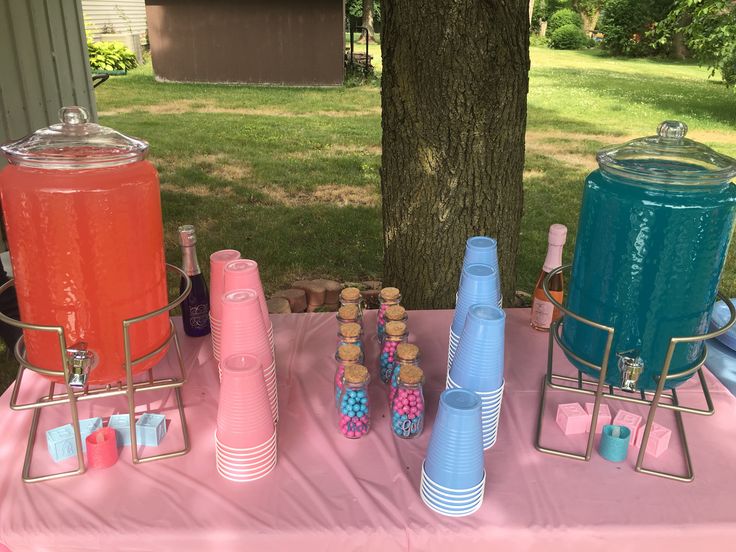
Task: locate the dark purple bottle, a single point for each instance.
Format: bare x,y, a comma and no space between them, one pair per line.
195,310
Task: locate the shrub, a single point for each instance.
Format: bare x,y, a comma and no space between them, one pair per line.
536,40
568,37
728,70
562,18
110,56
625,25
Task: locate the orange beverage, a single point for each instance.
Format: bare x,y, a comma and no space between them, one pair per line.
87,253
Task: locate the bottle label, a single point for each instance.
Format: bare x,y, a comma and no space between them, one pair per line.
199,316
544,312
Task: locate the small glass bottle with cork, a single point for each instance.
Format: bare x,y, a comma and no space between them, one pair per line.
395,313
352,296
349,313
346,355
351,334
387,297
407,354
407,406
396,333
355,408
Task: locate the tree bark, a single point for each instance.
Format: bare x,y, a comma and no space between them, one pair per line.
590,20
367,33
531,10
454,86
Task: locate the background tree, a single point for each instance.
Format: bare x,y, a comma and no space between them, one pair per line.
590,11
369,11
454,86
627,26
709,31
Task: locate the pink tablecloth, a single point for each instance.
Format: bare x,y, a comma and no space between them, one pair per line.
328,493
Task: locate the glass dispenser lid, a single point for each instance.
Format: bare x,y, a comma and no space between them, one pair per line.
668,158
74,143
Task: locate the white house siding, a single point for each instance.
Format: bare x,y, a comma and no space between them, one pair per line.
43,65
124,16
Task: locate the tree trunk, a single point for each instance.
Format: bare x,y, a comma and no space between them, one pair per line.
590,20
454,86
367,33
531,10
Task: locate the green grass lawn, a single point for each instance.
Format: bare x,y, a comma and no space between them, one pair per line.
290,176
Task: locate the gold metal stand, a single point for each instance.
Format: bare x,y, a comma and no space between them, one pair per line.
599,389
71,395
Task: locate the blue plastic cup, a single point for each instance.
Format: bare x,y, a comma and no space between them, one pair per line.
614,445
451,508
478,285
478,362
455,452
483,250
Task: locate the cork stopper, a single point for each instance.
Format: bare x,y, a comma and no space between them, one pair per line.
348,312
357,373
390,294
395,312
350,294
351,329
349,353
407,351
410,374
395,329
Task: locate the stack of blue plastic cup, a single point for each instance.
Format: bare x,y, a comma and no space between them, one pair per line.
478,285
483,250
453,476
479,362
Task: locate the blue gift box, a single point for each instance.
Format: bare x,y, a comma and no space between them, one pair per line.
60,440
121,424
150,429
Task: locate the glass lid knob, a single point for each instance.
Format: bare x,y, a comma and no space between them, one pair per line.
672,130
74,115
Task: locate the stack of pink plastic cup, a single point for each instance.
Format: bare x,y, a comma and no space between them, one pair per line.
218,261
243,332
245,439
243,274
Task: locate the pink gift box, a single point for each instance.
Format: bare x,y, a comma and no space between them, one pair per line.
659,439
628,419
572,419
604,415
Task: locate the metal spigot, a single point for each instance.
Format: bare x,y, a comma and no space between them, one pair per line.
630,366
81,361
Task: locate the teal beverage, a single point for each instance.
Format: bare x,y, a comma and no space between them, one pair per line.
654,229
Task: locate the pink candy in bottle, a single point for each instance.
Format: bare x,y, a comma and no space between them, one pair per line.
407,405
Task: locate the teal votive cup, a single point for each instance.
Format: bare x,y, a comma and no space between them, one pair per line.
614,445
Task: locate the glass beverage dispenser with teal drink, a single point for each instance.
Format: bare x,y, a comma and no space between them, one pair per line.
655,225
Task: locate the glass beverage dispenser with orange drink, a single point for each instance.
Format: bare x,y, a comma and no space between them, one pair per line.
82,211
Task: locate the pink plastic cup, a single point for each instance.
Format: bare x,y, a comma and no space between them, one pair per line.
247,473
246,452
244,273
244,416
218,261
252,464
240,478
242,327
256,455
